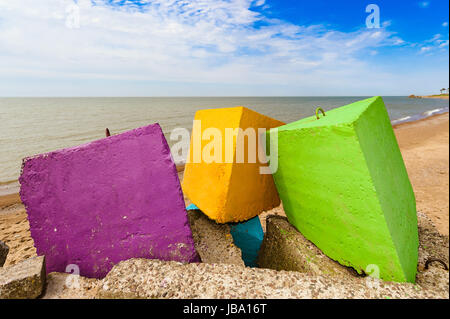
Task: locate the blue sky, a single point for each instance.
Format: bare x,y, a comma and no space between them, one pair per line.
221,48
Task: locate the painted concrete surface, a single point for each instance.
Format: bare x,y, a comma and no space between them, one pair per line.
225,190
192,207
344,186
110,200
248,236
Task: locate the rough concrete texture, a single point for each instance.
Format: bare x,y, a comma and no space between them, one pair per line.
24,280
285,248
141,278
109,200
432,243
435,280
4,249
248,236
213,241
67,286
223,189
344,186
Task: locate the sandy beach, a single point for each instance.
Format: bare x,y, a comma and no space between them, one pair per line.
441,96
424,145
425,148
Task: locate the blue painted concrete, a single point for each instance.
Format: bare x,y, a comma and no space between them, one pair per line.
248,236
192,207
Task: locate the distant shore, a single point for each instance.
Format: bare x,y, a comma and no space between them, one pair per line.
436,96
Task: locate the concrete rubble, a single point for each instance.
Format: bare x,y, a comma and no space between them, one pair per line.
24,280
213,241
4,249
143,278
301,270
69,286
285,248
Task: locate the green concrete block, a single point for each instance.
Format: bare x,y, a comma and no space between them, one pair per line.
344,186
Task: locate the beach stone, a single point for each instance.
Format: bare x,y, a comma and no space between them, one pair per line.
248,236
213,241
285,248
223,189
145,278
344,186
68,286
4,249
24,280
109,200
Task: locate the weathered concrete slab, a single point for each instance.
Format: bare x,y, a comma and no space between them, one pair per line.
110,200
213,241
4,250
285,248
225,189
141,278
344,186
24,280
248,236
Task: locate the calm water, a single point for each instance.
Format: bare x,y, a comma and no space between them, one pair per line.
31,126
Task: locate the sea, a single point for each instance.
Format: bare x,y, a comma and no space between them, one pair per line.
30,126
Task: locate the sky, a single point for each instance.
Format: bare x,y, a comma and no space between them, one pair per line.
223,47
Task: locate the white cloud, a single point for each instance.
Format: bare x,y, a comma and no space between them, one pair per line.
445,24
386,23
443,44
436,43
174,41
259,3
424,4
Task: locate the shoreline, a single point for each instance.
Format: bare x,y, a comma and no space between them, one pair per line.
437,96
12,188
11,198
424,146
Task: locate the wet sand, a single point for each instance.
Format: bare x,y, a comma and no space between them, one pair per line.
425,149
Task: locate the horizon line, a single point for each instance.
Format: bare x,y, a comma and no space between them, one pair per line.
201,96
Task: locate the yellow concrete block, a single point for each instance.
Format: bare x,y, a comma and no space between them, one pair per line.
222,176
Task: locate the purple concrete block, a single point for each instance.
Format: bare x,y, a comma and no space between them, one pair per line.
113,199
